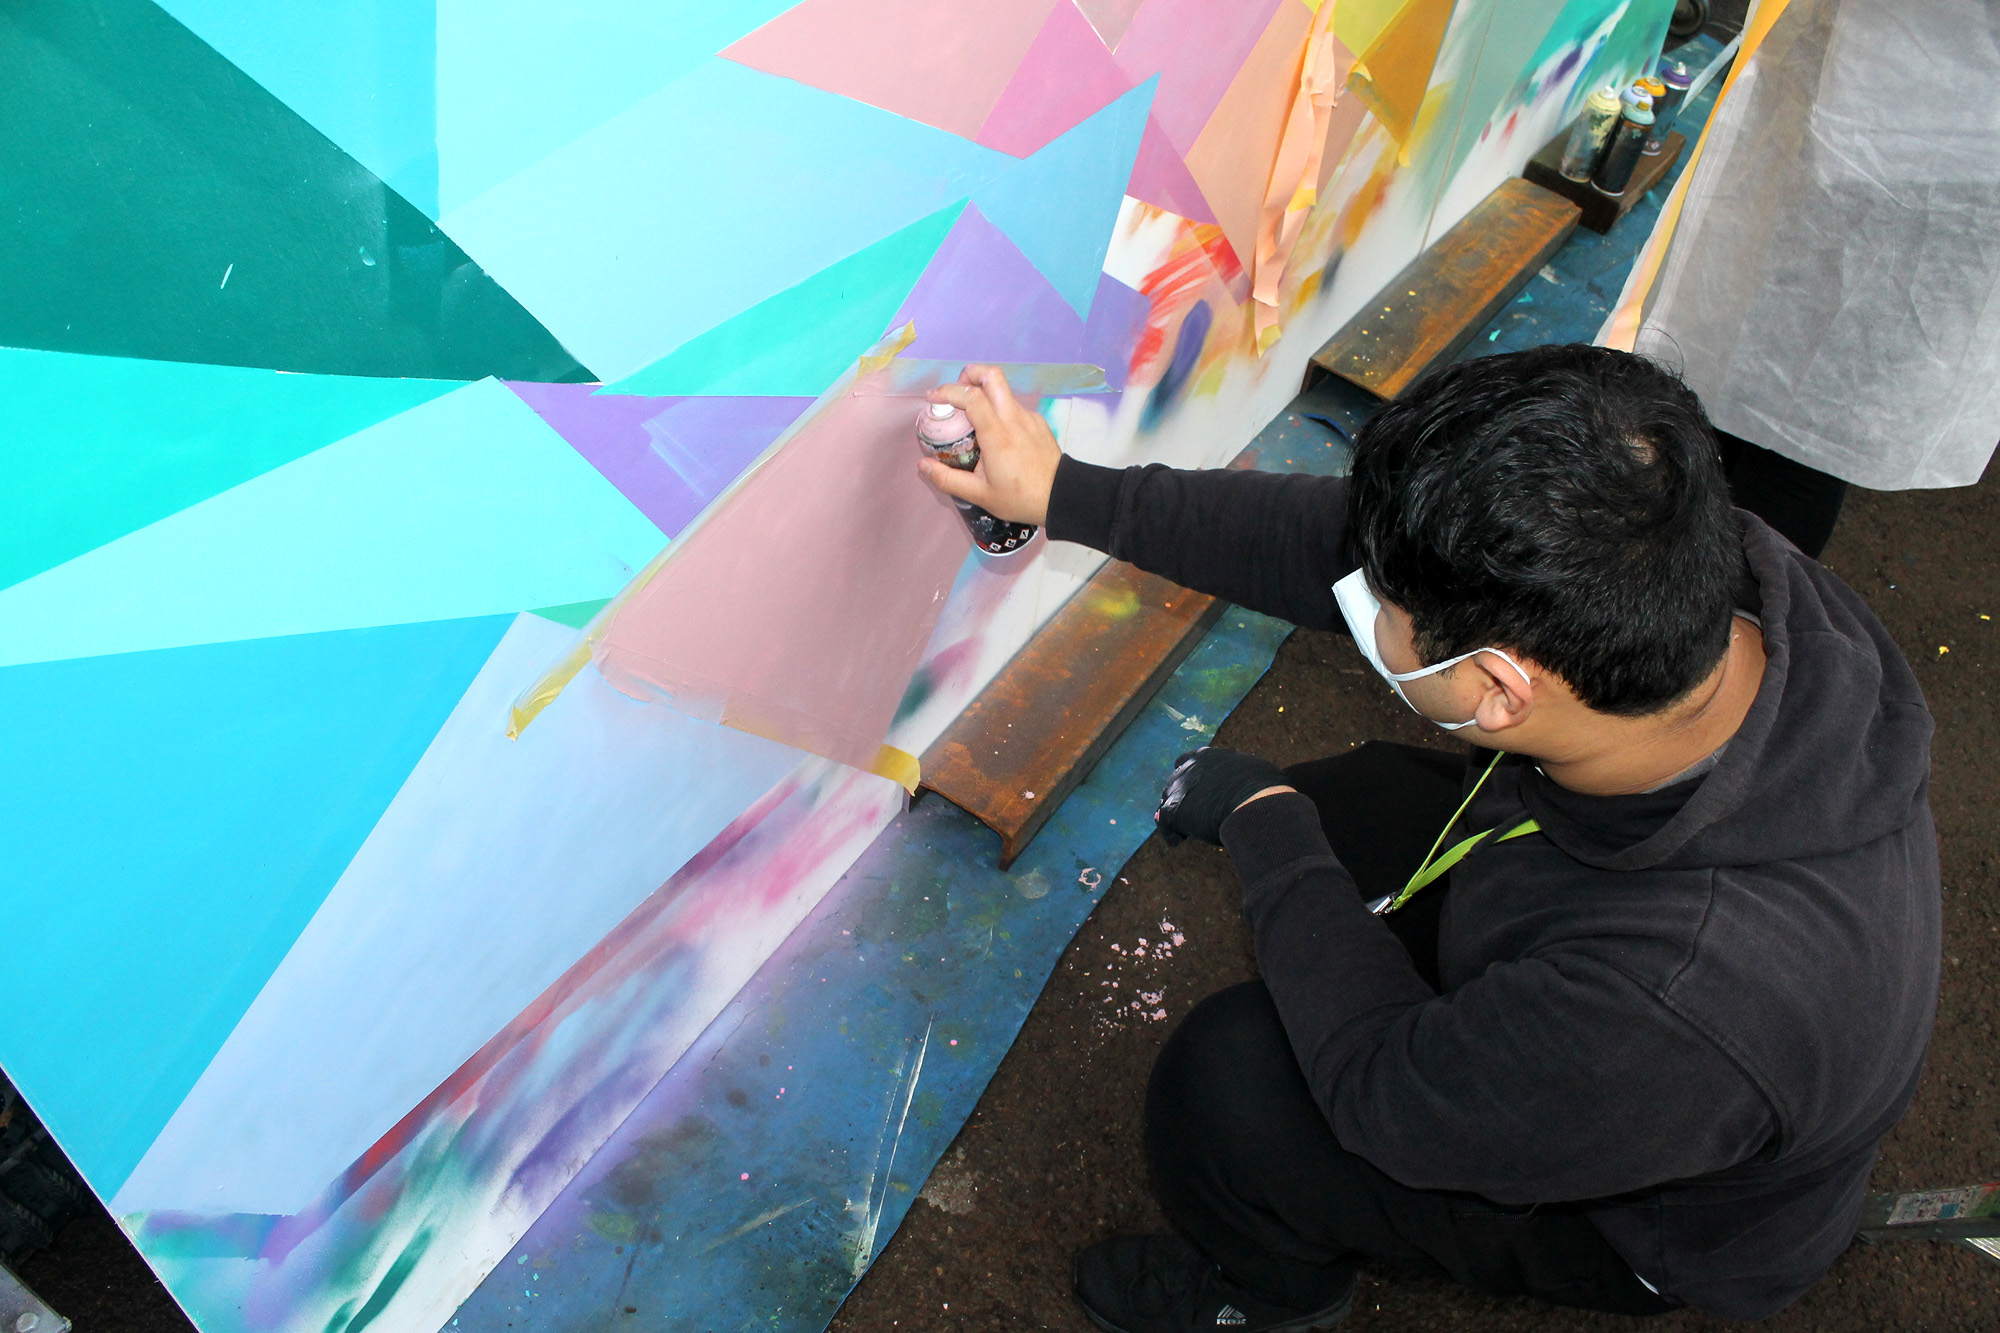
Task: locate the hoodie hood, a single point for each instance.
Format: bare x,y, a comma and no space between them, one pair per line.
1836,696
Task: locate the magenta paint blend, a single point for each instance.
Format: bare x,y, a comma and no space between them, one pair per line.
946,433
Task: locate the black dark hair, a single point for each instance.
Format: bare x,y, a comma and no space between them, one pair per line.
1567,502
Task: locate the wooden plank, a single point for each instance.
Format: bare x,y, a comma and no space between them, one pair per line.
1601,210
1052,712
1452,290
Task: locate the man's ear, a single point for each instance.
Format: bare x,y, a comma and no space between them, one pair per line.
1506,697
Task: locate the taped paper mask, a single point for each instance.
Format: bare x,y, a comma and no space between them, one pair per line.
802,617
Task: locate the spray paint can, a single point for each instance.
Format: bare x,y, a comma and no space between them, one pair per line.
946,433
1675,78
1592,133
1654,90
1628,141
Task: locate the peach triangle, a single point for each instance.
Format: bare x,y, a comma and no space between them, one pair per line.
1159,177
942,62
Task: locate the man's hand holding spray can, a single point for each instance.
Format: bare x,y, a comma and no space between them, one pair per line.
995,457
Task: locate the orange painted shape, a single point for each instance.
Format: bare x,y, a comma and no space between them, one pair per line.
1393,74
1232,158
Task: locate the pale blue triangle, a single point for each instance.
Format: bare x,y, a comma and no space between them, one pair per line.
517,79
361,72
1060,205
467,505
174,819
719,191
496,867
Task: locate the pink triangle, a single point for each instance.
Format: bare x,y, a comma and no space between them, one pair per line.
981,299
1066,77
1196,47
1110,17
1160,177
943,62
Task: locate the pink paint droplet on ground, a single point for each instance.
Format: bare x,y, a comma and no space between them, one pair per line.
746,1175
954,1041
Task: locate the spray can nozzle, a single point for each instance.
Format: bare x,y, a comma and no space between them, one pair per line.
939,411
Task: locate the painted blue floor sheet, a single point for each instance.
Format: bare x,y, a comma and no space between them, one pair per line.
754,1185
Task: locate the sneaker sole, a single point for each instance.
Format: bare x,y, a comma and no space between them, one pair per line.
1327,1318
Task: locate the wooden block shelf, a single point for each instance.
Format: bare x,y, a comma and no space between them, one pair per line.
1601,210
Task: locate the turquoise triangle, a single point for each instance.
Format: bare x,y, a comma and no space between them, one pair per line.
174,819
1060,205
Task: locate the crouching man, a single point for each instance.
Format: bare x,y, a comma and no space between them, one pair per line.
1612,1013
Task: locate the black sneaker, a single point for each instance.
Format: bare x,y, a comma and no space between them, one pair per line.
1162,1284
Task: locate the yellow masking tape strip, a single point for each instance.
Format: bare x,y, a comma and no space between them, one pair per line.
898,766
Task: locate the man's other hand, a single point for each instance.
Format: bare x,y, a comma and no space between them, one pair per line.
1018,452
1208,787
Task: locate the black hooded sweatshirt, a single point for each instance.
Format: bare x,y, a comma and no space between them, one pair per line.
1694,1011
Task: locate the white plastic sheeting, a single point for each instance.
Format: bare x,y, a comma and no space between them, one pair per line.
1833,288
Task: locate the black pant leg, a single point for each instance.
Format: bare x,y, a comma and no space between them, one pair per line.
1247,1167
1382,806
1800,502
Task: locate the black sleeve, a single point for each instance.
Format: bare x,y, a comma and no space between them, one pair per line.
1273,542
1549,1079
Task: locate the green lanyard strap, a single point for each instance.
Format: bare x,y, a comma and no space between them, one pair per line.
1435,865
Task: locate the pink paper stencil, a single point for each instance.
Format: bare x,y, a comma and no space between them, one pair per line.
799,610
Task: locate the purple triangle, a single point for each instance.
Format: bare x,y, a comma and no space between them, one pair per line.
982,300
669,456
1117,318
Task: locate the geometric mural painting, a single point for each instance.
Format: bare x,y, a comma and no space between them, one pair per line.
363,364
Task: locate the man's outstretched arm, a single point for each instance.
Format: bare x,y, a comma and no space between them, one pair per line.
1274,543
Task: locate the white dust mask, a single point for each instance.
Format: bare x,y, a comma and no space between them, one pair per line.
1360,608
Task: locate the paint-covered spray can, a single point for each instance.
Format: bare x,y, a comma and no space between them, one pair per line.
1675,78
1654,90
946,434
1628,142
1592,133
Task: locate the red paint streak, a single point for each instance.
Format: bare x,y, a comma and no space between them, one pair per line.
523,1030
1200,254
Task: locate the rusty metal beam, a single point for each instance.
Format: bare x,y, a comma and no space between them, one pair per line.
1052,712
1450,291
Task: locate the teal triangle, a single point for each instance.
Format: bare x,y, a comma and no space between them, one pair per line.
360,72
97,446
467,505
1060,205
174,819
803,339
159,202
